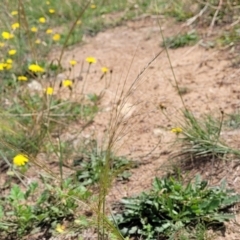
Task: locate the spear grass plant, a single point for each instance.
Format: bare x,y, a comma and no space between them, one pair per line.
200,138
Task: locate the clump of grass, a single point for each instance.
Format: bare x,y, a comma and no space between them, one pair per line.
200,138
230,37
180,10
181,40
233,120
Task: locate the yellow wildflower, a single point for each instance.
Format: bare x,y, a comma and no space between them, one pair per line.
13,13
7,66
104,69
7,35
47,2
176,130
56,37
38,41
22,78
42,20
49,91
2,44
35,68
60,228
2,66
73,62
12,52
9,61
20,160
67,83
49,31
34,29
91,60
79,22
93,6
15,25
51,10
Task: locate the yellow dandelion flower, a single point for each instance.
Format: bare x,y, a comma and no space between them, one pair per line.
9,61
12,52
73,62
2,66
176,130
34,29
20,160
15,25
7,66
91,60
2,44
79,22
93,6
49,31
49,91
35,68
60,228
22,78
38,41
51,10
13,13
42,20
67,83
7,35
104,69
47,2
56,37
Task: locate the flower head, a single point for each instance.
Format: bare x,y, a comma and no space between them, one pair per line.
9,61
49,91
22,78
56,37
35,68
73,62
93,6
51,10
176,130
34,29
60,228
79,22
42,20
20,160
13,13
38,41
2,66
104,69
7,35
67,83
2,44
5,66
91,60
49,31
12,52
15,25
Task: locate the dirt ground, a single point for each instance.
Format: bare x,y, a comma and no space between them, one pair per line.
144,135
